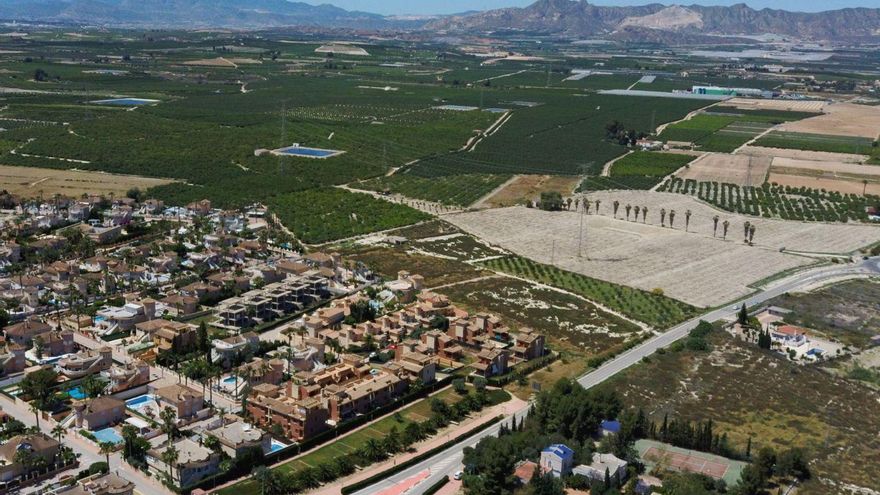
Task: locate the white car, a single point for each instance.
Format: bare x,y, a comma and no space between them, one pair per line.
457,475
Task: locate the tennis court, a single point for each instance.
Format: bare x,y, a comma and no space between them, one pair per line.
666,456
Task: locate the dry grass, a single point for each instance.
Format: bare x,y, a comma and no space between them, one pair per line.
31,182
750,393
530,187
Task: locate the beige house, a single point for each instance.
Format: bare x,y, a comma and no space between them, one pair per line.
99,413
40,445
194,462
185,401
100,484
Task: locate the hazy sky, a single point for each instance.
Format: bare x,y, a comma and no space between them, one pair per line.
454,6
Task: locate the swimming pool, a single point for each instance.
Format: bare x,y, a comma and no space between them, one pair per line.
108,435
142,402
229,379
126,102
76,393
306,152
276,446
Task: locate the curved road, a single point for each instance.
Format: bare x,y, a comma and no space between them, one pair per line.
447,462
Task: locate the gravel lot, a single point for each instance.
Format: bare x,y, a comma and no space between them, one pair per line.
692,267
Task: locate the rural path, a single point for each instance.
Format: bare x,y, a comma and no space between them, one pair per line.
753,140
606,169
689,116
481,203
468,281
430,207
447,462
502,76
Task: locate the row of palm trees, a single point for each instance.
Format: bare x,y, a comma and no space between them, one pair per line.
583,205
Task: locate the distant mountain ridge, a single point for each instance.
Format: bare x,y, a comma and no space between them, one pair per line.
580,18
190,13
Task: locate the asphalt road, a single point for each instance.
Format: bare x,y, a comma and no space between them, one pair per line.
447,462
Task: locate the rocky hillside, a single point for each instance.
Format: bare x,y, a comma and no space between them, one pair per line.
580,18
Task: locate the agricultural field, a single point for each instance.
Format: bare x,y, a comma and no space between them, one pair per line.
841,119
698,127
654,309
732,136
747,394
452,190
556,137
31,182
525,188
690,265
322,215
643,169
818,142
777,201
841,177
740,169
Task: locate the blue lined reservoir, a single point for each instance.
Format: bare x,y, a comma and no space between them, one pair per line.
307,152
126,102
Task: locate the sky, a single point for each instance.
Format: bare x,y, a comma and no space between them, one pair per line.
454,6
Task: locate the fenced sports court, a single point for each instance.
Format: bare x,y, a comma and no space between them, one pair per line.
657,454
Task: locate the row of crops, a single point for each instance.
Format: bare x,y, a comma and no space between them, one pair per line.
638,170
453,190
777,201
652,308
321,215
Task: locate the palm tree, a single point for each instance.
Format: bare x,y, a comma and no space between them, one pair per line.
58,432
672,219
714,225
169,422
264,477
587,206
663,217
598,202
628,209
36,410
638,209
746,230
751,233
107,449
577,204
687,220
644,214
725,225
373,450
169,457
616,205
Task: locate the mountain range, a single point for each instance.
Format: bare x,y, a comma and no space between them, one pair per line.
580,18
571,18
253,14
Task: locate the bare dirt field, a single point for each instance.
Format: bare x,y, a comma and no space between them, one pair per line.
840,119
211,62
781,105
802,154
724,168
530,187
691,266
840,185
848,178
31,182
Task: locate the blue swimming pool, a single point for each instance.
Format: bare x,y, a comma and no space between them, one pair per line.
108,435
276,446
76,393
308,152
229,379
139,401
126,102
